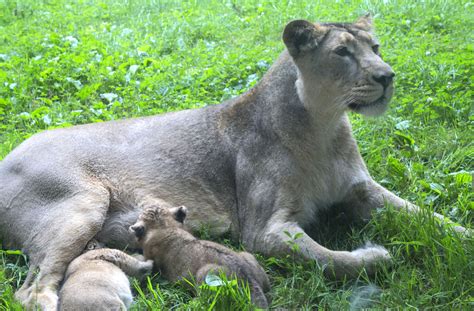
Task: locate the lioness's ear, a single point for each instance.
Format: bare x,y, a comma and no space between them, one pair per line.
180,213
301,36
365,23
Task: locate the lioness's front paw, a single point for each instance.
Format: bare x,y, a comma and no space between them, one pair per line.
371,255
46,300
463,231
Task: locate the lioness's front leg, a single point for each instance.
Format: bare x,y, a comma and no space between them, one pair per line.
363,198
279,238
269,224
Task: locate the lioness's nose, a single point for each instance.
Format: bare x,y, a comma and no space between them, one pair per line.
384,78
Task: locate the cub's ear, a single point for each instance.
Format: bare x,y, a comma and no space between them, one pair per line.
301,36
180,213
365,23
138,230
94,244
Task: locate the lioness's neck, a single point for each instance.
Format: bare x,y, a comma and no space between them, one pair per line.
288,94
321,105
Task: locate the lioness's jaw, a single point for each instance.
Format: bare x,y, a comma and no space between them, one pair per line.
371,110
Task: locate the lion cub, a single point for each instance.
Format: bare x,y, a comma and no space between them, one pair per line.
96,279
177,253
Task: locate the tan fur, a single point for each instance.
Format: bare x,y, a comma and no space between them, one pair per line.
257,166
97,280
178,254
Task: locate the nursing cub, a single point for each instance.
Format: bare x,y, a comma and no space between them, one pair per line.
96,280
178,254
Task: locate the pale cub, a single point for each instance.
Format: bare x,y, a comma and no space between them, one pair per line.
97,280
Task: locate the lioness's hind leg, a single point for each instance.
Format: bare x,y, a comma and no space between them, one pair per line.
56,238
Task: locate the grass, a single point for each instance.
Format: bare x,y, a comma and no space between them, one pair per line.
71,62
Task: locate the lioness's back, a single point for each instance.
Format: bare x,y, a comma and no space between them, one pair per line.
147,152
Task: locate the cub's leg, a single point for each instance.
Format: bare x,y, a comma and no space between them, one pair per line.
368,196
56,238
210,268
129,264
258,281
257,270
257,295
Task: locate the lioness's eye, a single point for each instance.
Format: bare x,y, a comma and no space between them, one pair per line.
375,48
342,51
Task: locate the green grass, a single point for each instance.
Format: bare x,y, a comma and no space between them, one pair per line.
72,62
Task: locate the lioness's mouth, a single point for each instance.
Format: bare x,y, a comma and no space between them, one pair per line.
355,105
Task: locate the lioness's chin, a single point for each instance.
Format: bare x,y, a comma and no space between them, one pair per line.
373,109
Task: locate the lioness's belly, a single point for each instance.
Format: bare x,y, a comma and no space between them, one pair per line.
206,211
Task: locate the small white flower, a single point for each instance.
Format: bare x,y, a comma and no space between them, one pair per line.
110,97
142,53
133,69
47,119
126,31
74,42
76,83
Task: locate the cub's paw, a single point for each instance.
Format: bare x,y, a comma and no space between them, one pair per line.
146,267
138,256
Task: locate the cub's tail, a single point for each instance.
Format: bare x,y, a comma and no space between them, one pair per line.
257,295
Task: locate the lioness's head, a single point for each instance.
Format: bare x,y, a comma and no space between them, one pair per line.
341,61
158,217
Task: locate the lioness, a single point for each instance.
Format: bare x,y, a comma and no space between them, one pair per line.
260,165
177,253
96,280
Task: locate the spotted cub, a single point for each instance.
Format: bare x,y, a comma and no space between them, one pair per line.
178,254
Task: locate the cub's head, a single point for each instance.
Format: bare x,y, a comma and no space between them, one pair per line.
158,218
341,62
